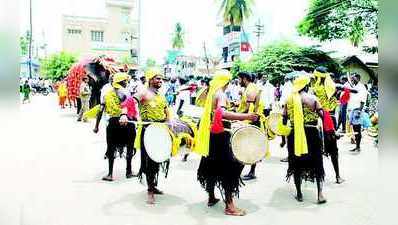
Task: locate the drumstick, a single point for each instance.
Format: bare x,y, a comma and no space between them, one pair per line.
142,122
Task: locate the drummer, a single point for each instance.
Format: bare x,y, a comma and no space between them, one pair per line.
325,89
248,104
120,107
304,143
153,108
217,165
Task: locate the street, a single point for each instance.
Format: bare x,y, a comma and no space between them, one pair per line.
62,167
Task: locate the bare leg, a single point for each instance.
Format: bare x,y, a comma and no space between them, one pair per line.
321,198
335,161
297,182
230,208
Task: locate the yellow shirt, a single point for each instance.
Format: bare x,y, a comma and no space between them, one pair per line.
309,115
154,109
112,104
327,104
243,107
62,90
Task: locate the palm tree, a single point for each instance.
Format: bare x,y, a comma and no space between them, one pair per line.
236,11
177,41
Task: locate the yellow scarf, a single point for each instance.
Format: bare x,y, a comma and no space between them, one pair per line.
330,86
300,140
201,143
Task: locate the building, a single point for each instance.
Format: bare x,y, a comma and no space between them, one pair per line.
188,65
24,68
115,35
367,70
234,44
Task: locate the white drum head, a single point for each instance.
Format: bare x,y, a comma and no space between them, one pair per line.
248,144
273,120
158,142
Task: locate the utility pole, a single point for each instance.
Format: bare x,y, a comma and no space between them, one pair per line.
207,59
30,39
259,31
139,33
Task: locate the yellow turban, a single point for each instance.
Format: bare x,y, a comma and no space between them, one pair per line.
152,72
119,77
330,86
300,140
220,79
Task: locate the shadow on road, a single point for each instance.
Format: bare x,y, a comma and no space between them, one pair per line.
137,201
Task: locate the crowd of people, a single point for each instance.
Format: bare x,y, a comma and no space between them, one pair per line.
130,104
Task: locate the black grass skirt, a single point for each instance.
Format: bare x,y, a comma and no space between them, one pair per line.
309,166
220,168
149,167
118,137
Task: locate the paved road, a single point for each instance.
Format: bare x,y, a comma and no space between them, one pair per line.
58,181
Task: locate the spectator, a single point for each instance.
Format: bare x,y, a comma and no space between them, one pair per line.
85,93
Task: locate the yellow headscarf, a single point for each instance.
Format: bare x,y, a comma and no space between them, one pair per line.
220,79
152,72
330,86
119,77
300,140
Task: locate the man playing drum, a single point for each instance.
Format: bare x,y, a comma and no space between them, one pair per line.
218,165
248,105
304,143
120,107
153,108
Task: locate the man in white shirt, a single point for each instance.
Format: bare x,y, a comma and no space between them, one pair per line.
287,89
357,100
183,97
267,95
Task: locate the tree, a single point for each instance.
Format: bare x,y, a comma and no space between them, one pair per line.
24,45
177,41
127,59
340,19
235,11
150,62
56,66
278,59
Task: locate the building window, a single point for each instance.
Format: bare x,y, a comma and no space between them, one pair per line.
97,36
125,37
74,31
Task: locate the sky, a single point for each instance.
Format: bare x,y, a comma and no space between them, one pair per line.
198,17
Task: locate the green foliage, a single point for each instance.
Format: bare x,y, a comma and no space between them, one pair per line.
235,11
340,19
278,59
24,43
177,42
127,59
56,66
150,62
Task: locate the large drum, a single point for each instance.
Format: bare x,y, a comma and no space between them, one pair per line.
275,125
249,144
158,138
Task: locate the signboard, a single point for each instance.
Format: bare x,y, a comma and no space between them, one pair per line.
110,46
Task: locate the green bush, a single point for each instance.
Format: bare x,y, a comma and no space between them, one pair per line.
278,59
56,66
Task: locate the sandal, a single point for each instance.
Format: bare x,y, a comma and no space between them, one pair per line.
107,178
236,212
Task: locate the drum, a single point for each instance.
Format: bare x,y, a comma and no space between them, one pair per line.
249,144
275,124
158,138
